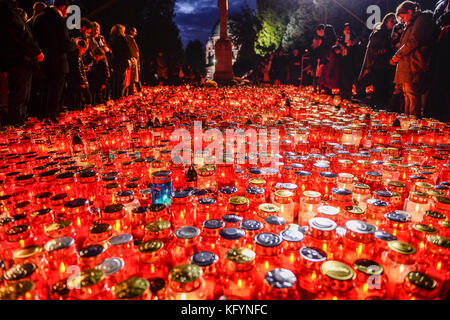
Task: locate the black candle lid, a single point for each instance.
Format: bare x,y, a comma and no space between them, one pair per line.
91,251
251,225
76,203
275,220
187,232
232,218
204,258
213,224
20,271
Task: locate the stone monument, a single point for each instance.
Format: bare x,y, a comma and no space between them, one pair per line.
224,55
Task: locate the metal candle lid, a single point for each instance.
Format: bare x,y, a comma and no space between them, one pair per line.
110,266
328,211
385,236
368,267
59,243
337,270
398,216
76,203
291,235
240,255
313,254
20,271
120,239
268,240
185,273
87,278
187,232
251,225
231,218
421,280
206,201
232,233
213,224
281,278
131,288
322,224
268,208
204,258
275,220
255,190
228,190
361,227
91,251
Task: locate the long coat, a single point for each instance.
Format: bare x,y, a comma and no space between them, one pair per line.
50,31
18,44
416,50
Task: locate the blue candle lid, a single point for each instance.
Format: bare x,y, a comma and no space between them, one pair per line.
281,278
341,191
268,240
139,210
110,266
187,232
385,236
384,193
206,201
125,193
255,190
91,251
303,173
181,194
204,258
213,224
251,225
232,218
377,203
254,171
228,190
275,220
76,203
398,216
120,239
109,178
199,193
232,233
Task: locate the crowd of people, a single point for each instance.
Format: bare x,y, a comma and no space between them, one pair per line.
46,67
402,67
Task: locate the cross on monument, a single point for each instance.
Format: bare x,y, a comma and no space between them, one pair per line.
223,48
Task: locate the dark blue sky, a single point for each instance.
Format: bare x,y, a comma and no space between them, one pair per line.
196,18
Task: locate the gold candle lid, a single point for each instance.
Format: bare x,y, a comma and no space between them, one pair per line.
150,246
268,208
256,181
439,241
238,201
368,267
445,224
131,288
27,252
157,226
186,277
87,278
401,247
15,290
240,255
337,270
424,228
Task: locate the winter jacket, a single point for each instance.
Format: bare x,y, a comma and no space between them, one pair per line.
415,51
379,52
19,45
50,31
98,75
121,53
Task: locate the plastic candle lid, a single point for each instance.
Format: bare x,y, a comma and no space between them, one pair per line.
20,271
291,235
232,233
213,224
281,278
120,239
268,240
187,232
91,251
275,220
204,258
251,225
131,288
110,266
313,254
59,243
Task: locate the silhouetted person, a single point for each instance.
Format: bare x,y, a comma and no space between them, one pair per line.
98,77
135,84
51,32
77,94
19,52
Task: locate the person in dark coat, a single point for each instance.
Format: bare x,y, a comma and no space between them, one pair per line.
98,77
347,62
38,8
413,58
439,102
325,52
77,93
376,68
278,70
19,52
135,83
295,67
120,61
50,31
